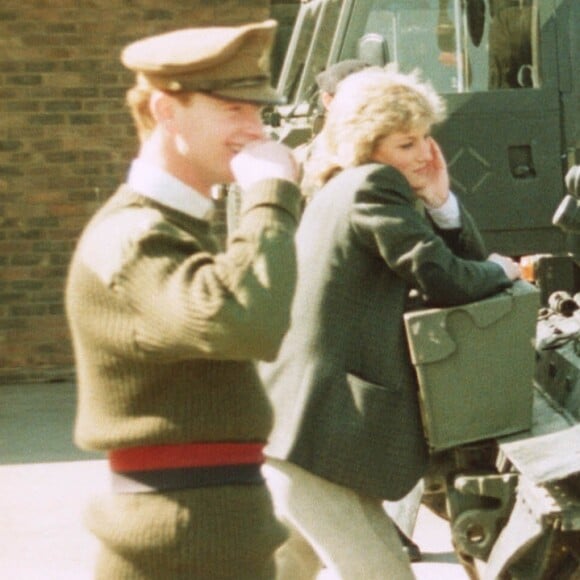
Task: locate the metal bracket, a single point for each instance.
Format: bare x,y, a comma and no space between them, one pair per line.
479,507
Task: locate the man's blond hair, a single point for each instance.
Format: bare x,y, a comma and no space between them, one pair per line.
138,100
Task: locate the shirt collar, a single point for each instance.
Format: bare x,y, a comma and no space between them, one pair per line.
162,187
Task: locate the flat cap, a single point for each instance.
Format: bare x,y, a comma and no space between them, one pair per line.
229,61
328,79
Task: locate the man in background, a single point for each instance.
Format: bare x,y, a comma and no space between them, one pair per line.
327,82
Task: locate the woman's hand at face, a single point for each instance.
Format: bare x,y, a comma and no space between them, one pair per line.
436,192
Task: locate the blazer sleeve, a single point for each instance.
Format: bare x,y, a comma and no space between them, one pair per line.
448,271
465,241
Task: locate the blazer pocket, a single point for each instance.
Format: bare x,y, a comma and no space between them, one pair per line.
354,410
372,399
357,425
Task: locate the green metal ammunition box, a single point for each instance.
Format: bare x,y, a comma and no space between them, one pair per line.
475,366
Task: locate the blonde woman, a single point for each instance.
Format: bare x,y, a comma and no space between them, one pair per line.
348,432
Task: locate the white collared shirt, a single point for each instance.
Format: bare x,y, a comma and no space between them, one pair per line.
447,217
162,187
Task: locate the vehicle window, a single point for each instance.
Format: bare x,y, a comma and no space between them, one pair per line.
461,45
309,49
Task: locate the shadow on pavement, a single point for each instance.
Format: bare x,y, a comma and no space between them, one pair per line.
36,424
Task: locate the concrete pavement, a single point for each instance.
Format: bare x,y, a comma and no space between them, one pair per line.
45,483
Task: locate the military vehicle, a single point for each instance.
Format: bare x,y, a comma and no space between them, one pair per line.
510,73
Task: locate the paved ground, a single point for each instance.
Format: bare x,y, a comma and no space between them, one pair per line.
45,482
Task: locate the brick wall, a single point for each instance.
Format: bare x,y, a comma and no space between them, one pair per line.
65,143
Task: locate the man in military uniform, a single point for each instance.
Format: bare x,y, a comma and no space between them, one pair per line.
166,328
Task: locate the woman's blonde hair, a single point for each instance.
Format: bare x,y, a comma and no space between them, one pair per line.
369,105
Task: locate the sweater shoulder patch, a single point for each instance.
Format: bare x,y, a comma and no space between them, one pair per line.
113,241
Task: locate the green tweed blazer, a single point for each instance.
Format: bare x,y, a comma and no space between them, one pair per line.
343,386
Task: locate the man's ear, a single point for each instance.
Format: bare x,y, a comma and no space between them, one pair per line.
326,99
161,106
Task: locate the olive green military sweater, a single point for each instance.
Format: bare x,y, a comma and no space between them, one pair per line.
165,327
